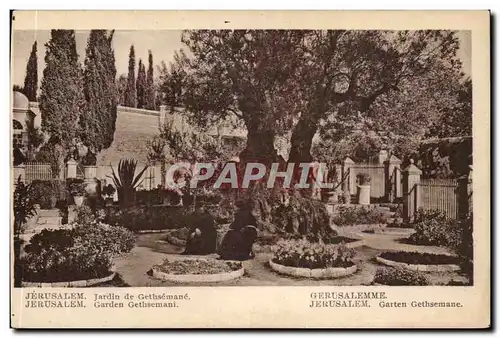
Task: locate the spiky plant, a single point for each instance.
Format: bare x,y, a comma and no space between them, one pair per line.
126,181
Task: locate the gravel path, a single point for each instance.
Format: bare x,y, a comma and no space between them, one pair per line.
150,250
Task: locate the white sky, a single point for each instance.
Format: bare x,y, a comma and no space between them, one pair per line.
162,43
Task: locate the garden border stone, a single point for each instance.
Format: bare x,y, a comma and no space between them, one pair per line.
76,283
420,267
313,273
191,278
152,231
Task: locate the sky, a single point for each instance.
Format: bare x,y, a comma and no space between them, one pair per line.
162,43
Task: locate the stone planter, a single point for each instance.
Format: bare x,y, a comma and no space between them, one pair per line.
78,200
89,172
329,273
191,278
420,267
364,194
76,283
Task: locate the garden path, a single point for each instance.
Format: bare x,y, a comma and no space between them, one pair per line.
150,250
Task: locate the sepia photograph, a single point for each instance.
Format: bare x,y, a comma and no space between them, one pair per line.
172,158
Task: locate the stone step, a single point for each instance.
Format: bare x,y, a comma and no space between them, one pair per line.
48,212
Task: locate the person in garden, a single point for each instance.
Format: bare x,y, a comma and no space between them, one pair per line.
237,243
202,239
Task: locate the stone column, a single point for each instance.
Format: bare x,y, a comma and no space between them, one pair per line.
162,115
411,192
382,156
346,185
71,168
19,170
392,178
464,189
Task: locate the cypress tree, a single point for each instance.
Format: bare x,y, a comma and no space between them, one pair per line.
141,85
61,98
97,123
131,95
31,77
150,84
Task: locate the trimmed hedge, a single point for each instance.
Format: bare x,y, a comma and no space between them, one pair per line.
398,277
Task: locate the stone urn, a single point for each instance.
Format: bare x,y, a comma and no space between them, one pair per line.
363,189
78,200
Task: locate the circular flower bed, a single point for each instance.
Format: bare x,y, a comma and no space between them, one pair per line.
198,270
419,261
302,258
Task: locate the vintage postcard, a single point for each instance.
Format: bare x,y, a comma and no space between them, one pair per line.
246,169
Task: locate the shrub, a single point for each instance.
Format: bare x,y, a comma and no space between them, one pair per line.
109,190
304,254
398,276
152,217
80,252
350,216
46,193
84,215
432,227
363,178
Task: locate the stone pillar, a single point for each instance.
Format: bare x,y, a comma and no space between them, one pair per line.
392,178
464,189
162,115
346,185
382,156
90,180
19,170
71,168
157,173
411,192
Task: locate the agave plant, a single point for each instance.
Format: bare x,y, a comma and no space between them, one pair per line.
126,181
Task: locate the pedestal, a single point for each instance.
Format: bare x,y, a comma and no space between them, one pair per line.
364,194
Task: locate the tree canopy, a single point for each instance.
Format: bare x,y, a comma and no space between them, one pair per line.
130,93
290,81
31,77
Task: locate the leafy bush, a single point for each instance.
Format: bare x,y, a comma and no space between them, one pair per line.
47,193
152,218
346,216
109,190
399,276
84,251
84,215
432,227
304,254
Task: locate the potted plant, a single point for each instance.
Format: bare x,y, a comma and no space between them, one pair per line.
77,190
108,191
363,188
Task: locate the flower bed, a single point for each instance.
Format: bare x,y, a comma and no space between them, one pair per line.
398,277
317,260
81,252
419,261
198,270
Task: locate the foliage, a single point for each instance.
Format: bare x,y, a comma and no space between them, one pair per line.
445,158
84,251
109,190
46,193
152,218
171,83
363,178
18,157
141,85
97,123
346,216
24,205
77,188
197,267
121,89
156,149
252,74
62,97
456,120
84,215
127,181
150,87
130,93
301,216
399,276
31,77
304,254
35,136
432,227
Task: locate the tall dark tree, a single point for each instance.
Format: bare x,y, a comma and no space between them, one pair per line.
150,87
121,89
172,83
141,85
97,123
131,94
61,99
31,77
